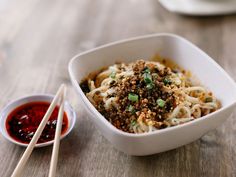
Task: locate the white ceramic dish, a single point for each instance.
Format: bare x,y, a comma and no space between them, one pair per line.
34,98
200,7
183,53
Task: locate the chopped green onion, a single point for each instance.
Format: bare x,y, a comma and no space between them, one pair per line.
150,86
208,99
167,81
131,109
133,122
147,70
147,78
113,75
161,103
133,97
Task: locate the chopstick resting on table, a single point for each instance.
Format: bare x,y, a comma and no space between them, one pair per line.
18,170
56,144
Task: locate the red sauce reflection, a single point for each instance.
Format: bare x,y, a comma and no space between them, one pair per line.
23,122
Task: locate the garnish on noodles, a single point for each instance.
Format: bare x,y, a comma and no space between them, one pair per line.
145,96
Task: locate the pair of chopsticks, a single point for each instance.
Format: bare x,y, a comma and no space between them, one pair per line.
59,97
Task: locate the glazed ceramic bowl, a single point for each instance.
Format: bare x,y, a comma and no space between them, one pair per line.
182,52
200,7
71,115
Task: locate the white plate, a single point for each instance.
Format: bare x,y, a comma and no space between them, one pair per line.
34,98
200,7
181,52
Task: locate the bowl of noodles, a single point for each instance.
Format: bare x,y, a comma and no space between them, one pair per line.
153,93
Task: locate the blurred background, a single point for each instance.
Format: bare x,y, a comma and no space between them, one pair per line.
39,37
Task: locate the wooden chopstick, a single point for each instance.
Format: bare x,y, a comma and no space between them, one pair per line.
56,145
30,147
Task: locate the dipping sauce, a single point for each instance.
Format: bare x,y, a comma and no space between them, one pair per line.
23,122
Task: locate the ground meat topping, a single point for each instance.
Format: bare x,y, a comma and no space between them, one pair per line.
146,107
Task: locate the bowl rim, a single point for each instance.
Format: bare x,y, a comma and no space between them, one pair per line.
35,97
123,41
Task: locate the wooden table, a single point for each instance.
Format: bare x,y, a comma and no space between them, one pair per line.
37,40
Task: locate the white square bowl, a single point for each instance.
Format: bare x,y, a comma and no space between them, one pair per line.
182,52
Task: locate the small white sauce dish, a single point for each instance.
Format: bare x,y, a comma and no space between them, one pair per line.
71,115
183,53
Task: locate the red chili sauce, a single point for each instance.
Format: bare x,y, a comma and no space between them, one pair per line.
23,122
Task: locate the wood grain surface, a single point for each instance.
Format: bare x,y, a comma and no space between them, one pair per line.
37,40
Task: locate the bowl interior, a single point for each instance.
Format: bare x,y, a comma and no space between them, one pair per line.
34,98
173,47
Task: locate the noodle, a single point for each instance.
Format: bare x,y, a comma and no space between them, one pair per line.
145,96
